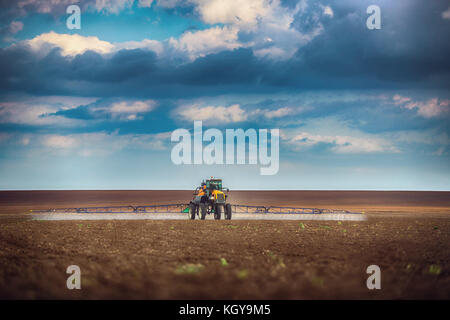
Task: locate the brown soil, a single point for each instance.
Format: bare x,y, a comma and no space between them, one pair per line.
264,259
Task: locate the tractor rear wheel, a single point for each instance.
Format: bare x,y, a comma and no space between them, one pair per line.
192,211
203,210
217,211
228,211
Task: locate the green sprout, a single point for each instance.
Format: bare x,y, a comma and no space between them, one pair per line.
223,262
434,269
189,268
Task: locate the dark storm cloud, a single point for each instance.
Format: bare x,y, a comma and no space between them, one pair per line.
126,73
409,47
137,73
83,112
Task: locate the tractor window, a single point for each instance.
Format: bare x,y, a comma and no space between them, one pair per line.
217,185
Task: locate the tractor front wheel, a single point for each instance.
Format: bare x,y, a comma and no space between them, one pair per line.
192,211
228,211
217,212
203,210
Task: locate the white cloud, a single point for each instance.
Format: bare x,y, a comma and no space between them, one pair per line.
239,12
245,14
71,44
213,114
266,23
132,107
433,108
127,110
200,43
234,113
427,109
278,113
341,144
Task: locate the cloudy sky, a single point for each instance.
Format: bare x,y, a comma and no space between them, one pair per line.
94,108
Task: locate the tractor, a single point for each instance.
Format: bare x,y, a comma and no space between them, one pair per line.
210,198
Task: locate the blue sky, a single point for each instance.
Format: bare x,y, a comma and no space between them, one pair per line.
94,108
